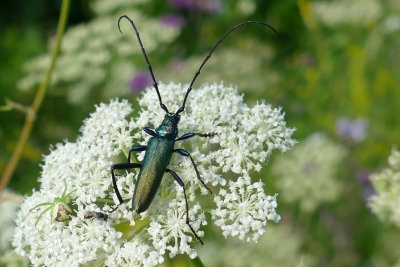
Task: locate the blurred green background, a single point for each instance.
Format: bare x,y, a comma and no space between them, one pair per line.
335,70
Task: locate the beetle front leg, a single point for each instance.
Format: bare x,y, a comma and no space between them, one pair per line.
190,135
140,148
135,149
185,153
180,182
122,166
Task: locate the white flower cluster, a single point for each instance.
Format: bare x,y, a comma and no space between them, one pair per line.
279,246
347,12
246,137
307,175
224,65
252,210
84,169
96,55
9,205
386,203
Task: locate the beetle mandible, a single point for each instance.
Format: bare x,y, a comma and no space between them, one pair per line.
160,147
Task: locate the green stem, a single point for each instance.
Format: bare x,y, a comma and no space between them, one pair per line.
196,262
138,230
105,200
33,110
123,222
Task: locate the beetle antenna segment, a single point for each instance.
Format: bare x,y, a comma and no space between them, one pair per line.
147,60
212,50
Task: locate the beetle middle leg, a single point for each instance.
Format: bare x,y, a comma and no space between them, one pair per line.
122,166
185,153
180,182
135,149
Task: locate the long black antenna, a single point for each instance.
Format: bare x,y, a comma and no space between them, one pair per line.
147,61
209,55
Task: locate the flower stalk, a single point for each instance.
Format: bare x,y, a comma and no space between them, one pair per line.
33,110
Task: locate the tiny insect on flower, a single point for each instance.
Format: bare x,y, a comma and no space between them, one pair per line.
95,214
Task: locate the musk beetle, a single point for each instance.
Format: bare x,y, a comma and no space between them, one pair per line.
160,147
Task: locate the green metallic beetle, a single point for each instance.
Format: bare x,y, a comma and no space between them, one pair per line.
160,147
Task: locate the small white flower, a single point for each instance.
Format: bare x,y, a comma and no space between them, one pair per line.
386,203
96,56
134,253
246,138
342,12
307,175
244,210
279,246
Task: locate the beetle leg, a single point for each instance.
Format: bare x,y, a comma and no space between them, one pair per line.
190,135
149,131
180,182
185,153
122,166
135,149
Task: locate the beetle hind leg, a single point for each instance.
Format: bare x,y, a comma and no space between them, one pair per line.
185,153
180,182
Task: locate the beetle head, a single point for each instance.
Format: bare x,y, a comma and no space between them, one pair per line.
169,126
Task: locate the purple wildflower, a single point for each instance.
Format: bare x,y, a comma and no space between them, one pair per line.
140,81
172,20
187,4
354,130
210,6
178,65
363,179
306,60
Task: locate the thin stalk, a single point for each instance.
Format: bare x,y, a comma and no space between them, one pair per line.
33,110
138,230
105,200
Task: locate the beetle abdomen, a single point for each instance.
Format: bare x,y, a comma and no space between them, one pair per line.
154,164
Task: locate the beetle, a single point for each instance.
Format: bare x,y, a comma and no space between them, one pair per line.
160,147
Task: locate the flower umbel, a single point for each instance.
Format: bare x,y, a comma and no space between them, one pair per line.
246,138
244,210
354,131
386,203
307,176
279,246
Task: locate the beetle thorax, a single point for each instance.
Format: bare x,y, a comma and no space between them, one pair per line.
169,126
